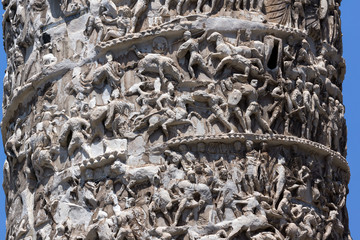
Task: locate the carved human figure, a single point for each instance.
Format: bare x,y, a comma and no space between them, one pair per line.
40,144
263,173
334,227
161,201
111,72
305,54
77,129
139,8
298,14
157,63
297,105
71,7
281,101
307,98
253,218
191,46
289,49
13,143
215,103
317,109
224,49
284,207
251,93
331,88
94,24
112,24
252,166
332,129
310,223
187,189
279,175
135,175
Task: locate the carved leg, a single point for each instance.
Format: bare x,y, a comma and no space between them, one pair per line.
179,211
263,123
129,186
210,119
240,117
179,7
248,114
203,66
191,71
225,122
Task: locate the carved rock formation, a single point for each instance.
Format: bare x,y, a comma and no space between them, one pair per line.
174,120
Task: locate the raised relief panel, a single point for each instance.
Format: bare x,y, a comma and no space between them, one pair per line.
170,119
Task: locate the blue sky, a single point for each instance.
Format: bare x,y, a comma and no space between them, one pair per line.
351,90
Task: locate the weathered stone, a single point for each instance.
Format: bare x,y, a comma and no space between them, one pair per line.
174,120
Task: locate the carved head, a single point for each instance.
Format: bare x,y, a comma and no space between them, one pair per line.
249,145
309,86
156,180
247,35
160,45
264,146
211,87
223,174
287,194
288,85
299,84
254,83
191,176
305,44
74,112
213,37
109,56
316,89
187,35
281,160
170,88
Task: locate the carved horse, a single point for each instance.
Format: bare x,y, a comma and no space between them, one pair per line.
241,63
156,63
224,49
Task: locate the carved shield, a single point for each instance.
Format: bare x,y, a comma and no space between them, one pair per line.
234,97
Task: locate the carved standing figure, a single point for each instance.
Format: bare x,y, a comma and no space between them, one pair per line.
191,46
74,133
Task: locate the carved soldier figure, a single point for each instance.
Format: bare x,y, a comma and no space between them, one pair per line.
252,165
251,93
111,71
191,46
280,179
282,101
77,128
317,109
139,8
156,62
307,97
298,14
297,104
215,103
332,127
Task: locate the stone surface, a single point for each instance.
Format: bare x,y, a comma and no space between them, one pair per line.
174,120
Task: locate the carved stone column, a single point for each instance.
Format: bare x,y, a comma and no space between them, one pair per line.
160,119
